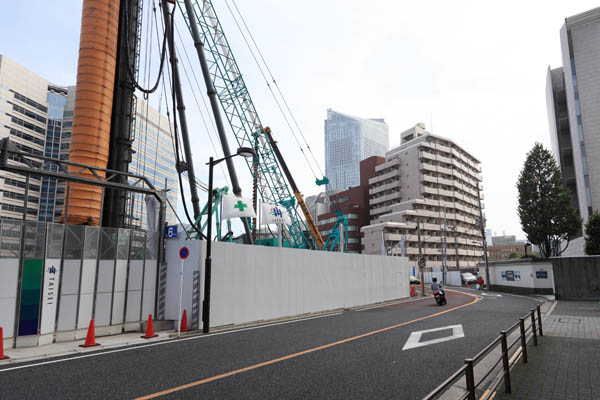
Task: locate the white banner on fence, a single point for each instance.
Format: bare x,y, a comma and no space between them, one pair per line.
236,207
273,214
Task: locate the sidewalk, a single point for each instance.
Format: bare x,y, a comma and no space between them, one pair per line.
566,363
25,354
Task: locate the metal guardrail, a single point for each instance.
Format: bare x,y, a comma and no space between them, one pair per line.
526,335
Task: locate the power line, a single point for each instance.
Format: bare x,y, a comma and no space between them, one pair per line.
275,83
270,89
208,131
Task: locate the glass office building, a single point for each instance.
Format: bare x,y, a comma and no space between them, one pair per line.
50,209
348,140
38,118
154,158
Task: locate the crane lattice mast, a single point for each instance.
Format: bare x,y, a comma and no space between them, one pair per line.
245,123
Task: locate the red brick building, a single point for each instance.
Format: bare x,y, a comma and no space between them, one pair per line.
354,203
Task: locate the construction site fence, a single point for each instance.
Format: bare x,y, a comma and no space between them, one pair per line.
55,278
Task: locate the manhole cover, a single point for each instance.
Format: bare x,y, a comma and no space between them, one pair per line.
569,320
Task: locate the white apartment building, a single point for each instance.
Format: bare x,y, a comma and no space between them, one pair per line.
430,180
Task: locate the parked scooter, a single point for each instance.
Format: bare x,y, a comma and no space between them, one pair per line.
438,292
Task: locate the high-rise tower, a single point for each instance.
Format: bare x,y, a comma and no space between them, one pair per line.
348,140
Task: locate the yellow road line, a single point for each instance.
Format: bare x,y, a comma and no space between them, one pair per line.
301,353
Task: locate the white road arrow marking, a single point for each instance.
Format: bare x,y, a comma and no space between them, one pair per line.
414,340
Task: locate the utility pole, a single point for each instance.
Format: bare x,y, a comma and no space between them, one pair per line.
483,241
444,263
456,249
421,263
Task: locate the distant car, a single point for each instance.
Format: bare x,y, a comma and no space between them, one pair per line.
468,278
414,281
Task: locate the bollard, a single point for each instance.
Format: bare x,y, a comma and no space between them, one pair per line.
539,313
533,328
470,379
505,362
523,339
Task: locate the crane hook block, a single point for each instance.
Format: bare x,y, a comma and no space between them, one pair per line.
321,182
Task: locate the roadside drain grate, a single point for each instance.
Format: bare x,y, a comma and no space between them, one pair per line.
569,320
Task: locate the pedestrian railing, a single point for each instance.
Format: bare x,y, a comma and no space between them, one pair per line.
519,335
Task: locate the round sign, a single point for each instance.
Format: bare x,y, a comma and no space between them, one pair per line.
184,252
422,262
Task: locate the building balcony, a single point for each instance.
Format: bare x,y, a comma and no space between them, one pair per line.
448,193
445,181
384,177
428,178
384,187
444,170
444,148
428,167
443,159
388,164
427,155
393,197
429,190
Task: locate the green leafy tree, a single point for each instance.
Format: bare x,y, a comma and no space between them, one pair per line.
545,210
513,255
592,234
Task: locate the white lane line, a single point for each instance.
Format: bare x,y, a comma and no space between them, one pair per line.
403,301
164,342
414,340
508,294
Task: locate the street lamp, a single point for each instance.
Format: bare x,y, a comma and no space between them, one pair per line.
244,152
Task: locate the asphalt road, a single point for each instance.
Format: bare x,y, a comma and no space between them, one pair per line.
350,355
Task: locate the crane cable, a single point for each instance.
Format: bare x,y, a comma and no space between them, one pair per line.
174,104
274,82
271,90
327,194
131,72
208,131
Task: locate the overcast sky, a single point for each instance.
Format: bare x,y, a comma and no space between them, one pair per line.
471,71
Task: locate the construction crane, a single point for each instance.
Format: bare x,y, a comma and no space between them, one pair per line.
270,172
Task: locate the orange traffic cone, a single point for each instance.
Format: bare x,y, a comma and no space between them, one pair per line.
2,356
413,291
183,326
90,339
149,329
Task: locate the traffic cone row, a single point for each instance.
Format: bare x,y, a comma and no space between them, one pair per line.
2,356
90,339
149,329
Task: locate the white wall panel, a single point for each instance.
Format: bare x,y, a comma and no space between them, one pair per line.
149,293
86,293
134,291
104,287
251,283
67,314
9,273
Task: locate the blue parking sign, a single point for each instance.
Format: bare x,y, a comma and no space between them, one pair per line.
171,231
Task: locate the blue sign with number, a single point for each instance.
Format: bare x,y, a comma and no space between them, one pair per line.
184,252
171,231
